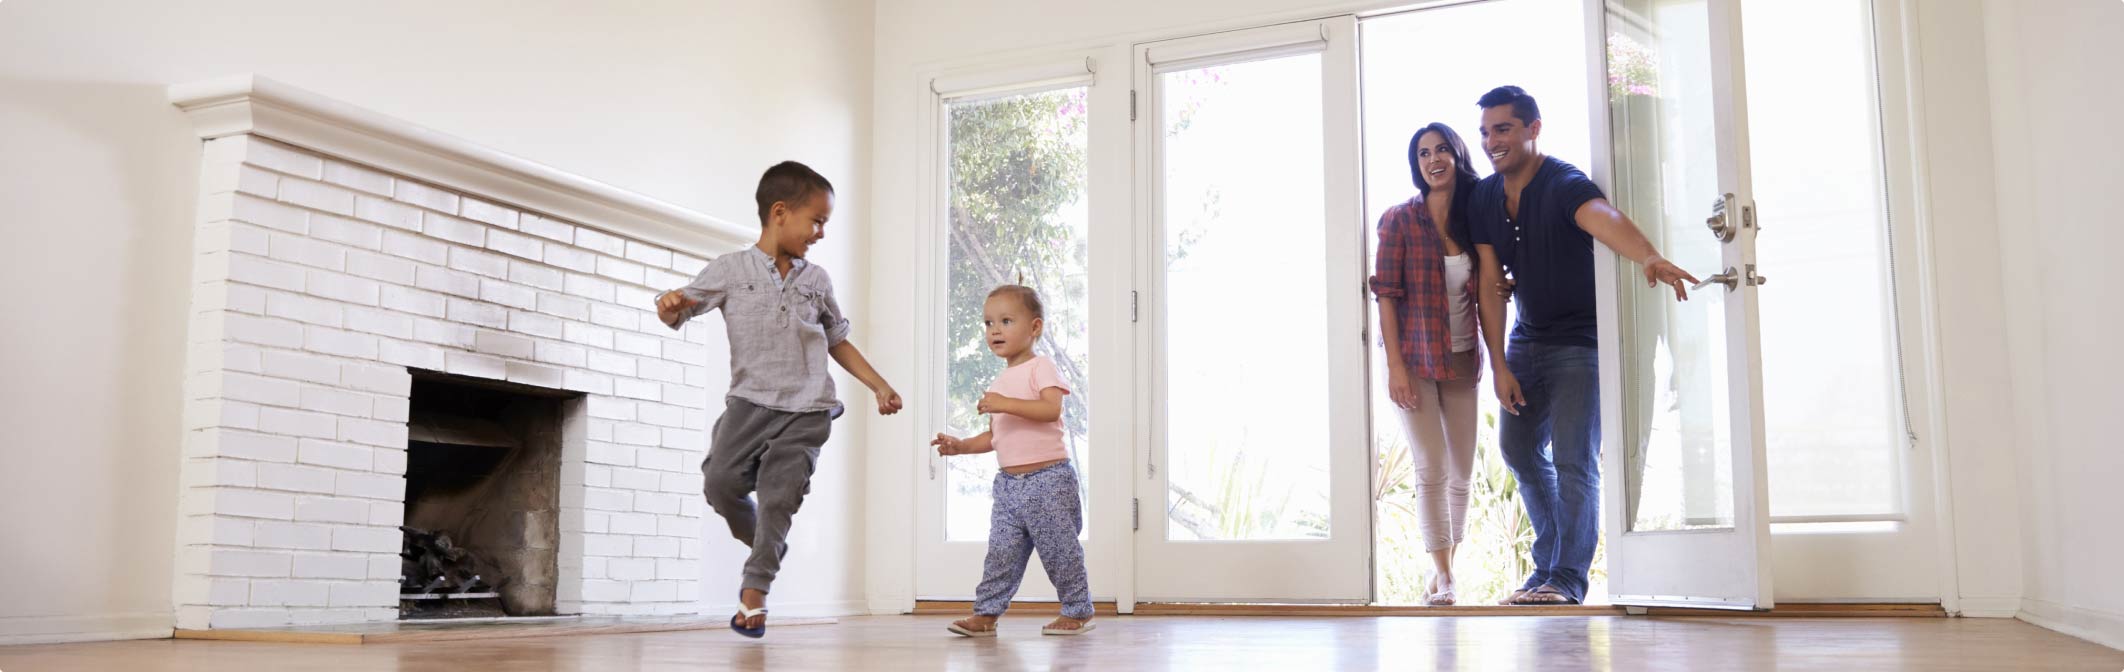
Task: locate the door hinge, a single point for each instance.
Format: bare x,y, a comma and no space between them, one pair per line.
1131,104
1135,515
1135,306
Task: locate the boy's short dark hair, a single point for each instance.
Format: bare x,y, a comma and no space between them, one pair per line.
1027,296
788,182
1523,106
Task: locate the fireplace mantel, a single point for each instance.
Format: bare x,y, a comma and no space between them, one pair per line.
250,104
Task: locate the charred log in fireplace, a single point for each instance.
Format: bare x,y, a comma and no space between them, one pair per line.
430,563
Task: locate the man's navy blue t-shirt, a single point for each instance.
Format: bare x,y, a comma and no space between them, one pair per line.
1549,257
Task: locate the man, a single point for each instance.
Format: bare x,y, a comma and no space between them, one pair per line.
1537,218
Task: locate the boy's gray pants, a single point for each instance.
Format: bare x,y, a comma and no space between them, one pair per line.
771,452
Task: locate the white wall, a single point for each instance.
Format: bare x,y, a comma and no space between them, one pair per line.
2053,66
682,101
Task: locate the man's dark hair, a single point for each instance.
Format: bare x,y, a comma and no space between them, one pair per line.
790,183
1523,106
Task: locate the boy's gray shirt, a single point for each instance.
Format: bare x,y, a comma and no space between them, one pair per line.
780,328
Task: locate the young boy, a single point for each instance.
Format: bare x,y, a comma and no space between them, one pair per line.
783,322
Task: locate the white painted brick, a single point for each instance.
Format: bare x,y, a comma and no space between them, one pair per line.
243,298
609,362
249,446
439,279
263,331
372,486
278,216
634,523
571,258
379,321
598,452
367,539
609,408
425,196
216,530
597,475
586,381
656,547
503,344
393,409
341,343
600,429
214,591
536,275
685,396
337,402
208,471
317,196
415,301
266,272
389,380
635,434
481,263
606,591
295,479
593,288
638,344
689,484
331,509
415,355
220,355
660,459
384,566
392,462
453,229
534,374
614,317
343,287
314,616
660,371
686,353
377,433
631,569
341,455
300,366
637,389
651,255
678,526
261,183
551,229
687,265
444,333
289,593
243,618
563,354
416,247
638,298
620,269
688,591
627,478
297,423
574,308
275,156
307,251
534,324
350,175
690,549
477,313
684,439
600,241
304,309
364,594
302,536
247,503
661,415
347,232
334,566
395,215
508,294
656,502
590,335
379,267
597,522
661,278
608,545
608,499
482,211
516,245
678,572
475,364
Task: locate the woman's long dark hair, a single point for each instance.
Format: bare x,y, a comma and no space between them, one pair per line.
1463,180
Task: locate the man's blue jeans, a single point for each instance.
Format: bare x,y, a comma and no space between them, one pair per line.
1553,448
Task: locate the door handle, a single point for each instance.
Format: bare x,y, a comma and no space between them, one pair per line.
1728,278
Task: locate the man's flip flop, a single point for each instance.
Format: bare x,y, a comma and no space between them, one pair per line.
970,632
1066,632
746,614
1546,596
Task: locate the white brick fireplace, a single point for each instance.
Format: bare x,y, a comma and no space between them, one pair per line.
337,250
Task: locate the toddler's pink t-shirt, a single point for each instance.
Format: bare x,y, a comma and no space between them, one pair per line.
1019,441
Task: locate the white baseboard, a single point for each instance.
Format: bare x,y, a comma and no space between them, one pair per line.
1988,607
2101,627
56,629
891,605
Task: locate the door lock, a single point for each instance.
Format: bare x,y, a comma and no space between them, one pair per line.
1720,228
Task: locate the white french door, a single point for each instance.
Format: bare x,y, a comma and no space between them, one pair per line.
1254,465
1687,497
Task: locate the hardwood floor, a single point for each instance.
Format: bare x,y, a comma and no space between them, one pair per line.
887,643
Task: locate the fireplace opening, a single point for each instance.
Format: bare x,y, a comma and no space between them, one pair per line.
482,526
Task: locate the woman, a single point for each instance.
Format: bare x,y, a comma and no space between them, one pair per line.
1425,280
